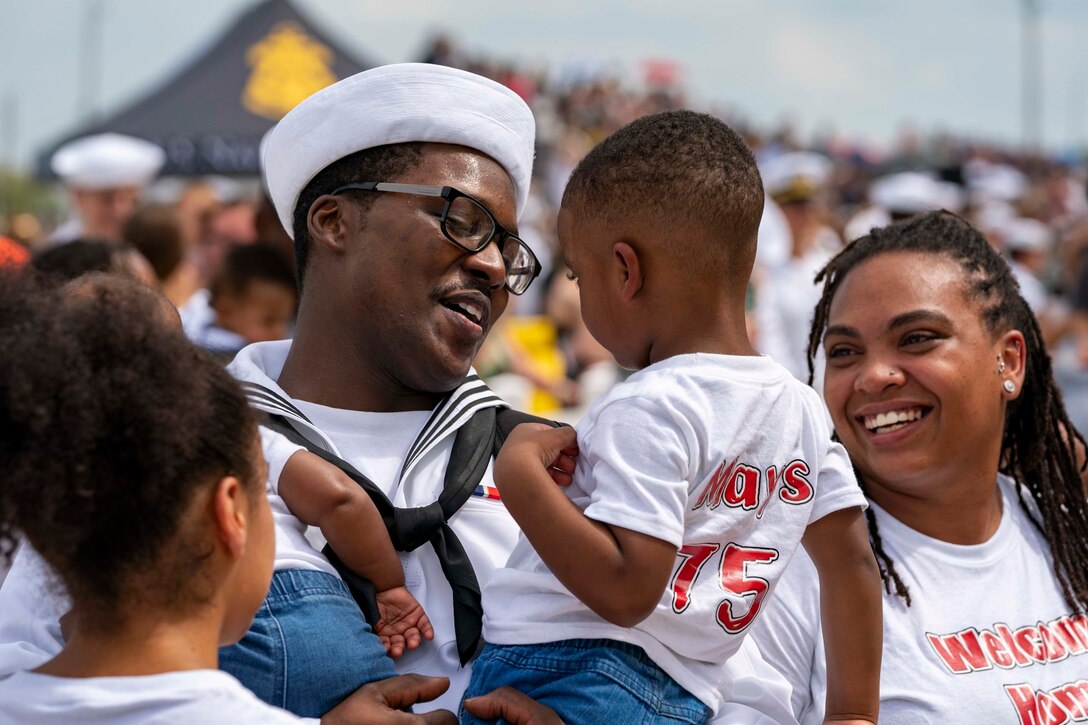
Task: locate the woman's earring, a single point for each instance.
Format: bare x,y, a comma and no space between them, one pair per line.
1000,366
1009,386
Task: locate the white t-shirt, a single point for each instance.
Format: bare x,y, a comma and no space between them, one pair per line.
192,696
385,437
988,637
729,458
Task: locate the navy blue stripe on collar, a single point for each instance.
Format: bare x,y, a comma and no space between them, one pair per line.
260,394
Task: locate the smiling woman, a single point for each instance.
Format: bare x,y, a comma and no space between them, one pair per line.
940,388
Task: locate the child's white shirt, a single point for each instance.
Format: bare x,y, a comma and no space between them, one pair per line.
729,459
191,696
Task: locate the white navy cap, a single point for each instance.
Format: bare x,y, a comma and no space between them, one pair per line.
106,161
401,103
1026,235
796,175
909,192
990,181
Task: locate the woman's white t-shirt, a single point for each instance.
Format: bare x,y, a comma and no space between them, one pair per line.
208,697
988,637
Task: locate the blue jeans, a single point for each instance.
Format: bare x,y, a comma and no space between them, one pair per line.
309,646
587,681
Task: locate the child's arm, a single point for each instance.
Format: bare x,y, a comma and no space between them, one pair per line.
618,573
851,614
320,494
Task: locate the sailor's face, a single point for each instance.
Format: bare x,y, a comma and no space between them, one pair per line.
102,212
424,305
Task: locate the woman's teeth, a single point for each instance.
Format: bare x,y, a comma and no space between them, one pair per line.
891,420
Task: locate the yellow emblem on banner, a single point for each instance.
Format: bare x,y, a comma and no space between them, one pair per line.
288,66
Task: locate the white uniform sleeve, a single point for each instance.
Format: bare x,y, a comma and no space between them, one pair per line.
277,449
789,637
836,486
31,605
634,461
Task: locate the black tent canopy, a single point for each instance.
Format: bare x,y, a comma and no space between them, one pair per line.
210,117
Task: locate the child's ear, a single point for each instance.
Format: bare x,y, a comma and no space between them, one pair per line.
629,270
230,513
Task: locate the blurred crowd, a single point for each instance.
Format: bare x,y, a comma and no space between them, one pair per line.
214,247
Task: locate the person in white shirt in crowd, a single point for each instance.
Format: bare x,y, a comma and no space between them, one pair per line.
104,175
785,292
697,477
939,385
1029,244
152,515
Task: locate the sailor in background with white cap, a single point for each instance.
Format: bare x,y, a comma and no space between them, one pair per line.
1029,245
786,294
104,175
901,195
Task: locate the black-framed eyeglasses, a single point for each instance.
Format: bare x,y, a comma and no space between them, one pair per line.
468,224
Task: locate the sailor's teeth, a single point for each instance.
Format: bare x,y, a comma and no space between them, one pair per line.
472,311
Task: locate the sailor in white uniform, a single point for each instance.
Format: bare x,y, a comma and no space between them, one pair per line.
104,175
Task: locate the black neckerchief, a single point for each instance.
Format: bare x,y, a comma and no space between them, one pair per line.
477,441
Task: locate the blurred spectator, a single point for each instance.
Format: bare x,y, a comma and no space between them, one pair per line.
786,293
104,175
253,298
155,231
83,256
229,224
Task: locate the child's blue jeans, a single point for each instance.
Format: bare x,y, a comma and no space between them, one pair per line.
309,646
587,681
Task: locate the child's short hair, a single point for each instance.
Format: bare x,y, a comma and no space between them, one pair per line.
245,264
687,175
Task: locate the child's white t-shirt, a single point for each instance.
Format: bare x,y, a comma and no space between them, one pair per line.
192,696
728,458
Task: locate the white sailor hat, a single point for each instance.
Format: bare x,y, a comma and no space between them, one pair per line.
1026,235
908,192
106,161
796,176
989,181
994,216
391,104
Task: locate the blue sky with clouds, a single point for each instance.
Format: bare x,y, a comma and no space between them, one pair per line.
863,67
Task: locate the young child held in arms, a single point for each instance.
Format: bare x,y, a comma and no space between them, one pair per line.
696,478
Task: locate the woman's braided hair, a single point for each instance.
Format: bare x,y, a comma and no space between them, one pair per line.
1038,447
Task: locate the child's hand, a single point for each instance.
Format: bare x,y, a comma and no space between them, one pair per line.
534,445
403,622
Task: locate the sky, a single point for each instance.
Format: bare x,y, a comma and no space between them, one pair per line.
861,67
